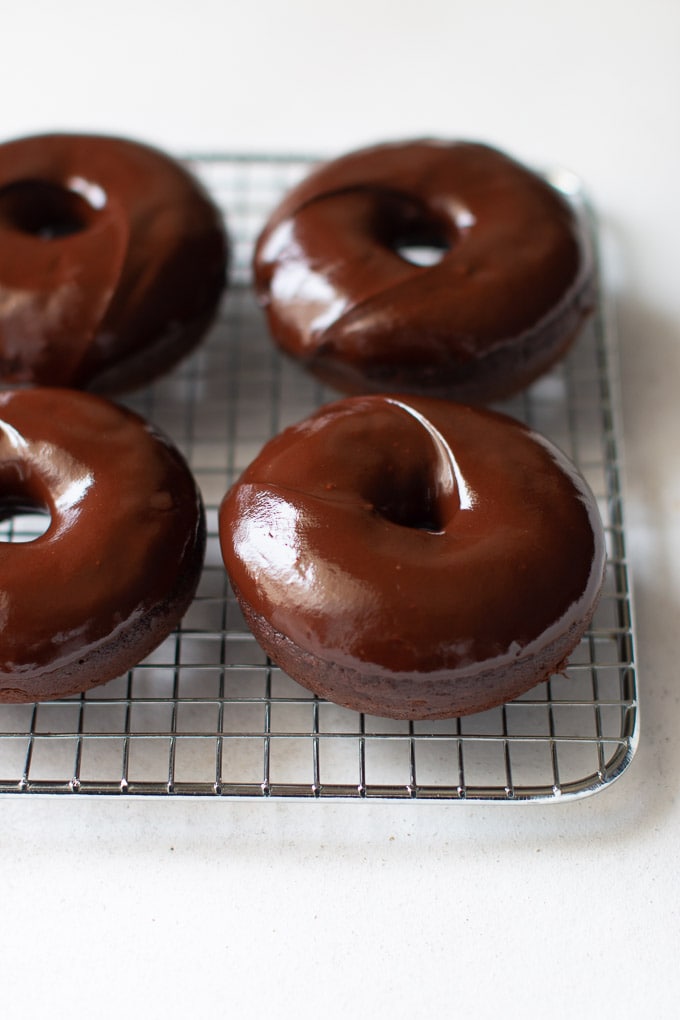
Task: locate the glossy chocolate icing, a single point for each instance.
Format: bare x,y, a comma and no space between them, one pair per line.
112,262
413,558
513,285
122,555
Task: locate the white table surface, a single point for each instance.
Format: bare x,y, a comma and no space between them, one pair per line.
173,909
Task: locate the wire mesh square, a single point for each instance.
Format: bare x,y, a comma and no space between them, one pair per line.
207,713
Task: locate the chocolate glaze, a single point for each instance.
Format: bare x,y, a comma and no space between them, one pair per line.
513,285
122,555
112,262
413,558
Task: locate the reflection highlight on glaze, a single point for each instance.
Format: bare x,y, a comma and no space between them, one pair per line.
272,541
93,194
450,474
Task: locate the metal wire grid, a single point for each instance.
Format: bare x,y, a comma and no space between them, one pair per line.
208,714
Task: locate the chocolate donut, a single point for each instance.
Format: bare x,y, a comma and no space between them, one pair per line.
413,558
121,557
514,283
112,262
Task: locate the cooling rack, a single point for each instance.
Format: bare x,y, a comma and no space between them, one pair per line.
208,714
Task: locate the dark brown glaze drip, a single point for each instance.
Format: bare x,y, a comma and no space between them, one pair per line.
112,262
441,553
122,555
513,285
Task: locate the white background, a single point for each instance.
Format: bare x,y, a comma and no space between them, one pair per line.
157,909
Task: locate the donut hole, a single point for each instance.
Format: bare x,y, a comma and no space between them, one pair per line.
413,232
410,500
44,210
22,518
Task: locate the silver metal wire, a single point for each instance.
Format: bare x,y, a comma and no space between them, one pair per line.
208,714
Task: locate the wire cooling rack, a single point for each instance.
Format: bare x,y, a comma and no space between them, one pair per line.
208,714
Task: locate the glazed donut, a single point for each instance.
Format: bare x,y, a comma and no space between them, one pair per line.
514,283
413,558
121,557
112,262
